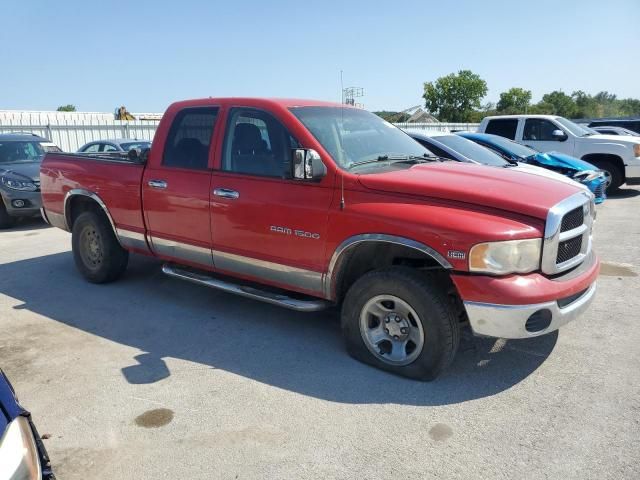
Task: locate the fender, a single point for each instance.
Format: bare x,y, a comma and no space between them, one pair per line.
338,255
93,196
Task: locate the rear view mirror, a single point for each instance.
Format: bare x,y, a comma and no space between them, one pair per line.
559,135
306,164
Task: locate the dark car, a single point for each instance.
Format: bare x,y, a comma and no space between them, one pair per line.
615,131
22,453
628,123
20,158
114,145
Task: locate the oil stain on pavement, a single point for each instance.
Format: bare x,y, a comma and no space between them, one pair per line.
440,432
158,417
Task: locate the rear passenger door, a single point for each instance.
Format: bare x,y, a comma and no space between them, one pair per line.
267,226
538,134
505,127
176,187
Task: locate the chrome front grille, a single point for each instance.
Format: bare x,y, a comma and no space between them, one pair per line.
568,233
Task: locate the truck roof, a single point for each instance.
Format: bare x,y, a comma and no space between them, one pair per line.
521,116
248,101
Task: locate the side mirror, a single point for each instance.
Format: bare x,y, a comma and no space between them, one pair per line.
138,155
306,164
559,135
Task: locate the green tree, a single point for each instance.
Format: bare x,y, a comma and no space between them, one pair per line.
455,97
586,105
561,103
514,100
629,107
67,108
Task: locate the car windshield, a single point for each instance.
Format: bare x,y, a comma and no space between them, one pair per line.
471,150
510,146
351,135
577,130
20,152
128,146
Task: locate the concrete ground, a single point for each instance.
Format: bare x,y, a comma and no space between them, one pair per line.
153,378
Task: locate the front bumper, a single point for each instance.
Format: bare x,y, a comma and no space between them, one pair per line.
524,306
524,321
32,202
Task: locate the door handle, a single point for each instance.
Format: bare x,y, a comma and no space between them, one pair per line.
225,193
157,184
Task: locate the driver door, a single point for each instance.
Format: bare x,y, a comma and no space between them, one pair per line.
538,134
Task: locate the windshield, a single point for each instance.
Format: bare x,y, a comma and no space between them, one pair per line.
141,145
577,130
471,150
510,146
20,152
351,135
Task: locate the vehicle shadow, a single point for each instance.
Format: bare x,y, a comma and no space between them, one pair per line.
623,193
26,224
303,353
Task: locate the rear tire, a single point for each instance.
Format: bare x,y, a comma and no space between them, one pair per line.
6,220
96,251
617,177
402,321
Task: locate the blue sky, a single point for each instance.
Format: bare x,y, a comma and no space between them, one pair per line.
146,54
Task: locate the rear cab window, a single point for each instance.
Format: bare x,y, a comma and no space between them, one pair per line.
189,138
505,127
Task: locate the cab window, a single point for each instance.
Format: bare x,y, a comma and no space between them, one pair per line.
505,127
539,129
189,138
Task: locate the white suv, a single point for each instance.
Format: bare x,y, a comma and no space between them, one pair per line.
620,156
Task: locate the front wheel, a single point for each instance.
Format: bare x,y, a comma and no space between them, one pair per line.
96,250
401,321
615,177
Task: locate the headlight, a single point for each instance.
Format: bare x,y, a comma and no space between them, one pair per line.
587,175
636,150
18,452
511,256
18,184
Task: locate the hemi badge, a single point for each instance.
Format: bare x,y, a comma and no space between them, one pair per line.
457,254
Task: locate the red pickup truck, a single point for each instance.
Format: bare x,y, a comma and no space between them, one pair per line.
309,204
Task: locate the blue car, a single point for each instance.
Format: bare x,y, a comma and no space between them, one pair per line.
579,170
22,454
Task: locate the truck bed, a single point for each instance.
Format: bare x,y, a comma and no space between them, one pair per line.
115,179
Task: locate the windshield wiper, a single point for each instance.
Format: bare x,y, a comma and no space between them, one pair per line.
396,159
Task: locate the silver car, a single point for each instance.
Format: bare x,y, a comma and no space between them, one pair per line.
20,158
114,145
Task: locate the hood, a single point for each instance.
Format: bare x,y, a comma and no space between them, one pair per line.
31,170
544,172
619,139
561,160
494,187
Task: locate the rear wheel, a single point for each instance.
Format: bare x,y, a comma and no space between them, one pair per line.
401,321
96,251
6,220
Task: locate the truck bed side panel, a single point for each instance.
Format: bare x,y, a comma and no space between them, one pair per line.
117,183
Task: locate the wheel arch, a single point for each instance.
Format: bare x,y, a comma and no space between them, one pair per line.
79,200
615,159
352,258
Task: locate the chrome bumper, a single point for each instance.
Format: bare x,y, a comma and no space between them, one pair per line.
508,321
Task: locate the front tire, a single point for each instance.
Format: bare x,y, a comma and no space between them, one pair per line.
6,220
616,176
402,321
96,250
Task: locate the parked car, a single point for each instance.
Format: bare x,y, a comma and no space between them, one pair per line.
114,145
20,158
455,147
628,123
308,204
578,170
22,453
615,131
619,156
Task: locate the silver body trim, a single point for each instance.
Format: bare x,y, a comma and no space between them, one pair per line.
269,271
310,305
130,239
183,251
338,255
161,184
508,321
553,236
226,193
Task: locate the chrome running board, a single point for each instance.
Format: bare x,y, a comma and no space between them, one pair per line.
301,305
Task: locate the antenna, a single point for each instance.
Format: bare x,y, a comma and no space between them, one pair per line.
342,114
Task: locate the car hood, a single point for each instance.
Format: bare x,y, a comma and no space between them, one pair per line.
494,187
619,139
561,160
30,169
